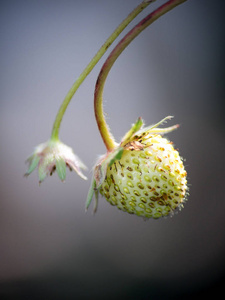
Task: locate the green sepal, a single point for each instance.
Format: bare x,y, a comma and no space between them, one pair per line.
153,128
135,127
33,160
42,172
90,195
117,156
61,168
96,201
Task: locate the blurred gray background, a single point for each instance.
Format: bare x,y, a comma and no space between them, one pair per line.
49,247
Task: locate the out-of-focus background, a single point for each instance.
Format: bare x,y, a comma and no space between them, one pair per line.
49,247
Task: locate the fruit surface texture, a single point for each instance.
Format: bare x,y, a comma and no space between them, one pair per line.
149,180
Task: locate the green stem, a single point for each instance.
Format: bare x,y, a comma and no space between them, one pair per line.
133,33
90,66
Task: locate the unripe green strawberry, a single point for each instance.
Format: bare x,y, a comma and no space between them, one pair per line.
148,182
143,175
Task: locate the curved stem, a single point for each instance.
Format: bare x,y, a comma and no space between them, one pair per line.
93,62
133,33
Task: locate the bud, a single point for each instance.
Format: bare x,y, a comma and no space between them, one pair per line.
51,156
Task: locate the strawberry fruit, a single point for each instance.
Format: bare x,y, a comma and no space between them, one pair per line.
144,175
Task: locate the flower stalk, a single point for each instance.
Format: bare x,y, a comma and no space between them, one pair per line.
93,62
107,137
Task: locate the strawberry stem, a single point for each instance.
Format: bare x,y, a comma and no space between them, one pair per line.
90,66
128,38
